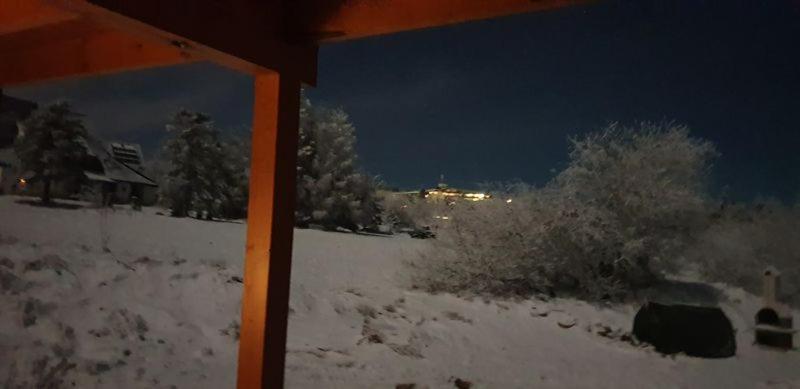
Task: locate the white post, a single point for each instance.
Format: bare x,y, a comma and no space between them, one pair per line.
772,284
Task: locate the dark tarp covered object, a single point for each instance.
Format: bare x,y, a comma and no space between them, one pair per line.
696,331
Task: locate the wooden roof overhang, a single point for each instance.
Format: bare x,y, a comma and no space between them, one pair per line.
90,37
277,42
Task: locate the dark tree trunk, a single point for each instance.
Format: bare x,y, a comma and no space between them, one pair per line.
46,191
181,209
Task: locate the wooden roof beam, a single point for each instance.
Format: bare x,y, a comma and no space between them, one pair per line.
20,15
244,35
337,20
79,48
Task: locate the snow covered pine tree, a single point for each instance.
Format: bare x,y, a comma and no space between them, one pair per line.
331,191
203,177
51,146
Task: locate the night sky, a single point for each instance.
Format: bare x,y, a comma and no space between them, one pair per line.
496,100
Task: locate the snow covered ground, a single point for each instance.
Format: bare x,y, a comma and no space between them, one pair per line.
124,299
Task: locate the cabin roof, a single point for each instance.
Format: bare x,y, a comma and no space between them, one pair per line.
113,169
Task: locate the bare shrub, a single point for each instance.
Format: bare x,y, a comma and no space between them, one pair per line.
402,211
394,210
611,222
537,243
744,240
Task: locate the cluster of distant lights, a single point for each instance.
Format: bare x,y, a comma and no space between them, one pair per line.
467,196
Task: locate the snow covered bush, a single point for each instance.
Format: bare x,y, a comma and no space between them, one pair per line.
331,190
539,243
651,182
744,239
619,215
403,212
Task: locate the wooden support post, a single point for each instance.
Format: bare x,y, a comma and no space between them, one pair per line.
270,228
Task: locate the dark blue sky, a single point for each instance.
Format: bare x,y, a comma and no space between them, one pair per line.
496,100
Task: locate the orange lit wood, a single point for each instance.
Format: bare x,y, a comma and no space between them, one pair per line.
18,15
78,48
270,222
325,20
244,35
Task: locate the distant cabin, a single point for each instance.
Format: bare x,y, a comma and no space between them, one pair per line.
116,173
109,177
113,173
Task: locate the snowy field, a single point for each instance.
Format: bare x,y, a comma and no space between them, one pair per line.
126,299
